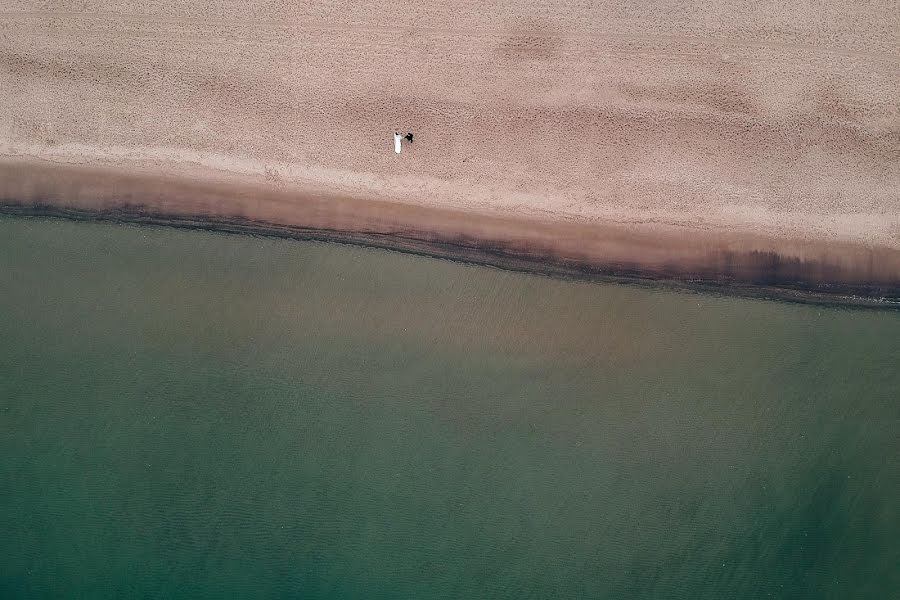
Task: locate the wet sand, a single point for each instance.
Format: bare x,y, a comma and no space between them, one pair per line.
767,266
736,145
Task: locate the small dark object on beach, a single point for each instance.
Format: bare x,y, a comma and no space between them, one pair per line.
409,136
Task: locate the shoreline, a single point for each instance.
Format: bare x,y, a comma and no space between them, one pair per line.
837,273
754,152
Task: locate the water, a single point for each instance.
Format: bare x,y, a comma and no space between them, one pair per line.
193,415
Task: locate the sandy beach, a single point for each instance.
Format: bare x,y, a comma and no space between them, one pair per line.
734,144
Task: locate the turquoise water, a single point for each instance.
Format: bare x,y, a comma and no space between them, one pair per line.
193,415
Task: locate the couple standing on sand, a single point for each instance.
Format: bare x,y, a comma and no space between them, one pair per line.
398,138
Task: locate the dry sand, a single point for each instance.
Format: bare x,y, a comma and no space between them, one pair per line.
652,137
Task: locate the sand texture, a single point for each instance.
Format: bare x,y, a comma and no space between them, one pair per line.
720,123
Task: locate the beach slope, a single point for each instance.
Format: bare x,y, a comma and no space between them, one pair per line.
734,144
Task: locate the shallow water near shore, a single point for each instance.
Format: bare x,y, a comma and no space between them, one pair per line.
196,415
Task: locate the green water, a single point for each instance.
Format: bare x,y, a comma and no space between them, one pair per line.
192,415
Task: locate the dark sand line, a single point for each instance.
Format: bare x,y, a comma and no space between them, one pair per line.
797,270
